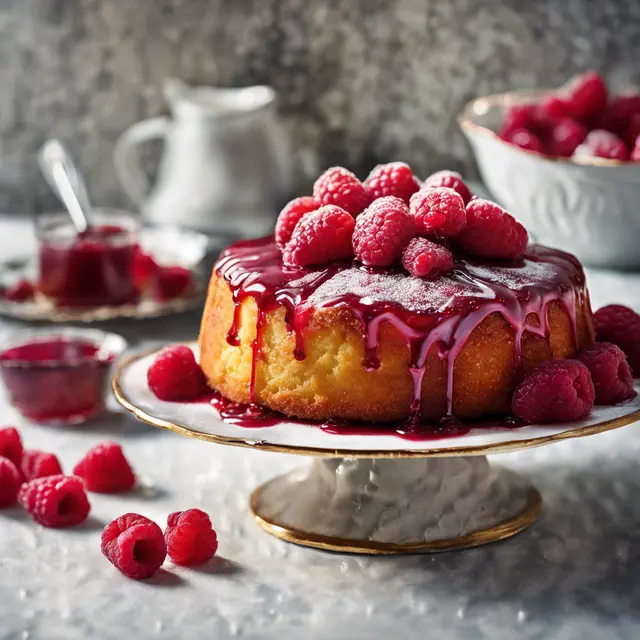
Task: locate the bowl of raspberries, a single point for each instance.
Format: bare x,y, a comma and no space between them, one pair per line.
566,162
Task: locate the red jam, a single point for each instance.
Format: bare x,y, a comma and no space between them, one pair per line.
91,269
253,416
442,312
57,380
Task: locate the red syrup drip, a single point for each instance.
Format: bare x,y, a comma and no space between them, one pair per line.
256,350
253,416
427,313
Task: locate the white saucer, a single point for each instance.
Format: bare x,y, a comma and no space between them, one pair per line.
201,420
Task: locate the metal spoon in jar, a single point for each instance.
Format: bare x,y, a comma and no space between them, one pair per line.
65,179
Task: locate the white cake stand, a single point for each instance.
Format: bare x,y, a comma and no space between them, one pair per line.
376,494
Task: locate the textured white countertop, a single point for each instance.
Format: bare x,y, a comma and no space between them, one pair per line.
573,575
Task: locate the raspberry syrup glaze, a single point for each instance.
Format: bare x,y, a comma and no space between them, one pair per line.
442,312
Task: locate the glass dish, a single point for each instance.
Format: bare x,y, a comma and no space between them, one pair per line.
59,377
91,269
168,245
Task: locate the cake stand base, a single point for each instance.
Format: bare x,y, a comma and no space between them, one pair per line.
392,506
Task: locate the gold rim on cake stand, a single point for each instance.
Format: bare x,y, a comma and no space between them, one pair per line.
477,450
507,527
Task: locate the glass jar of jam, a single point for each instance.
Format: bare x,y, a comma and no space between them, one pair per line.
59,377
89,269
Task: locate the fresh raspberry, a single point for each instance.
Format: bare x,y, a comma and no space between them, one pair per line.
619,113
601,144
491,232
290,215
190,538
553,107
524,139
134,545
382,232
565,136
320,237
586,96
104,469
620,325
175,375
55,501
11,445
10,482
393,179
21,291
632,132
338,186
635,152
517,116
144,268
531,117
438,212
451,180
610,372
39,464
425,259
543,126
169,283
556,391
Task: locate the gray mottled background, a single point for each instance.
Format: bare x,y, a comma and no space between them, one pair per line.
360,80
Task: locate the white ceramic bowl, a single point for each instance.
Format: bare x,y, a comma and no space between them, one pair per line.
590,210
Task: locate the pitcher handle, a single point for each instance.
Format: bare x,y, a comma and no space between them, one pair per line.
126,156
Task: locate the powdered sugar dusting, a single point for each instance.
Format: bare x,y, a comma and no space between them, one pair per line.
395,289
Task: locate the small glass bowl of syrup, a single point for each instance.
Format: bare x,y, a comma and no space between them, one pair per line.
59,377
89,269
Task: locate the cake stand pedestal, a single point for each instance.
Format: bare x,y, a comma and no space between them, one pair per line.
376,494
386,506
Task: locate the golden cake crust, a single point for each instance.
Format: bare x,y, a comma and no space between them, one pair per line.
331,381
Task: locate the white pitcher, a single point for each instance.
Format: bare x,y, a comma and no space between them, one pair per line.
226,166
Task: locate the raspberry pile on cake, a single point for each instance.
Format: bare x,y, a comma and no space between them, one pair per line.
390,299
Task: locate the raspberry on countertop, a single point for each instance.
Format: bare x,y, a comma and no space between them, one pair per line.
11,445
39,464
190,537
55,501
134,545
104,469
10,481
